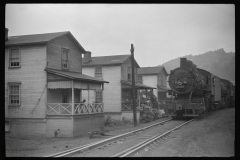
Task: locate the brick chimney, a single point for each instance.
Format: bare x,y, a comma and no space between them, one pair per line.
87,56
6,34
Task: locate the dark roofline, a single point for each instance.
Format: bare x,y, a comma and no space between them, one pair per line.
131,60
44,42
109,64
163,68
70,77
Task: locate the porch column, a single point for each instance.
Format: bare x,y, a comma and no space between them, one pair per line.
72,98
88,92
139,101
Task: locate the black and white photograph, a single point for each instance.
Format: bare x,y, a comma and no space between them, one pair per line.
119,80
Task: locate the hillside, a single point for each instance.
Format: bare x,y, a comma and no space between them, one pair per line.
217,62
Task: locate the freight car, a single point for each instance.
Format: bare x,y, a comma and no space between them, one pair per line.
196,91
229,93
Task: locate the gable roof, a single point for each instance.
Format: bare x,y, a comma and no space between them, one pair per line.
108,60
75,75
151,70
38,39
137,85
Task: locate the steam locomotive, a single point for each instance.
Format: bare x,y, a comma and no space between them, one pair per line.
197,91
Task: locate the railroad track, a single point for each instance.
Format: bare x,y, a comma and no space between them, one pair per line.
93,145
155,140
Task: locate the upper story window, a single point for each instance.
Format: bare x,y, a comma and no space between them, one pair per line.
14,57
129,73
14,94
65,61
98,72
162,80
139,79
98,97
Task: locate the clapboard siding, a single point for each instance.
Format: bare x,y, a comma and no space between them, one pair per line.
124,70
90,71
32,76
54,54
84,124
112,90
65,125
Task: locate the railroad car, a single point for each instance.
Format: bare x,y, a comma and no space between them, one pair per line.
228,94
196,91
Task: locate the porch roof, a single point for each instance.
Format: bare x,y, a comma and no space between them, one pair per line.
137,85
163,87
75,76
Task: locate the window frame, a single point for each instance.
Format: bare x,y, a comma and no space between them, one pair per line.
62,60
129,72
9,93
98,73
96,97
19,57
138,80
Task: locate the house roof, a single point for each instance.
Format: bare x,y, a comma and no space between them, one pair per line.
137,85
38,38
75,75
108,60
151,70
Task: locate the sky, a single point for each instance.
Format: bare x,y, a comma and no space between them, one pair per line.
158,32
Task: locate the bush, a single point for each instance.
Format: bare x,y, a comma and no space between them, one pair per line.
108,120
125,120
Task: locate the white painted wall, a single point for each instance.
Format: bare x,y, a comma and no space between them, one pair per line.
32,76
112,90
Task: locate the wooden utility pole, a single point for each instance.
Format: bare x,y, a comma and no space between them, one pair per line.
133,86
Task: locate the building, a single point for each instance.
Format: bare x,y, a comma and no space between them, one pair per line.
116,96
44,86
155,77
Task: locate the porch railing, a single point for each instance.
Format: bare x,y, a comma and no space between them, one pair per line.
128,106
78,109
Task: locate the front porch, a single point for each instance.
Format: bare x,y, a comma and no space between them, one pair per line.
63,100
141,94
68,114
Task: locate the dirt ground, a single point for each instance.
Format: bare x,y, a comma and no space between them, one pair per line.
46,146
211,136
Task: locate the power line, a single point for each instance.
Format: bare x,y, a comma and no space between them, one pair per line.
76,24
92,27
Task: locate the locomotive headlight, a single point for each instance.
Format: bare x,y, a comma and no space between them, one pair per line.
179,82
185,80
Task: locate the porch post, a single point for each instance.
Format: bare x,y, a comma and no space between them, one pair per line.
88,93
139,98
72,97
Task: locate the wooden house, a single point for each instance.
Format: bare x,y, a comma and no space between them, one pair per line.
154,77
44,85
116,96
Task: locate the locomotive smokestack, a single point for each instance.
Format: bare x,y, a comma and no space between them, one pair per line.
183,62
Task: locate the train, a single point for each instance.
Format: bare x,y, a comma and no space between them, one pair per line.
196,91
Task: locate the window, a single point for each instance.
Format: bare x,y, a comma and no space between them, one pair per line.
65,58
162,80
14,94
140,79
129,73
98,72
14,57
98,96
64,96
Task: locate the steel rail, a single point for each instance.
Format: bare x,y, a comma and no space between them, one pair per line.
101,143
139,146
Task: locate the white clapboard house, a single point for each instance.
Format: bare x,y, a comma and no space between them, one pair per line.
44,85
